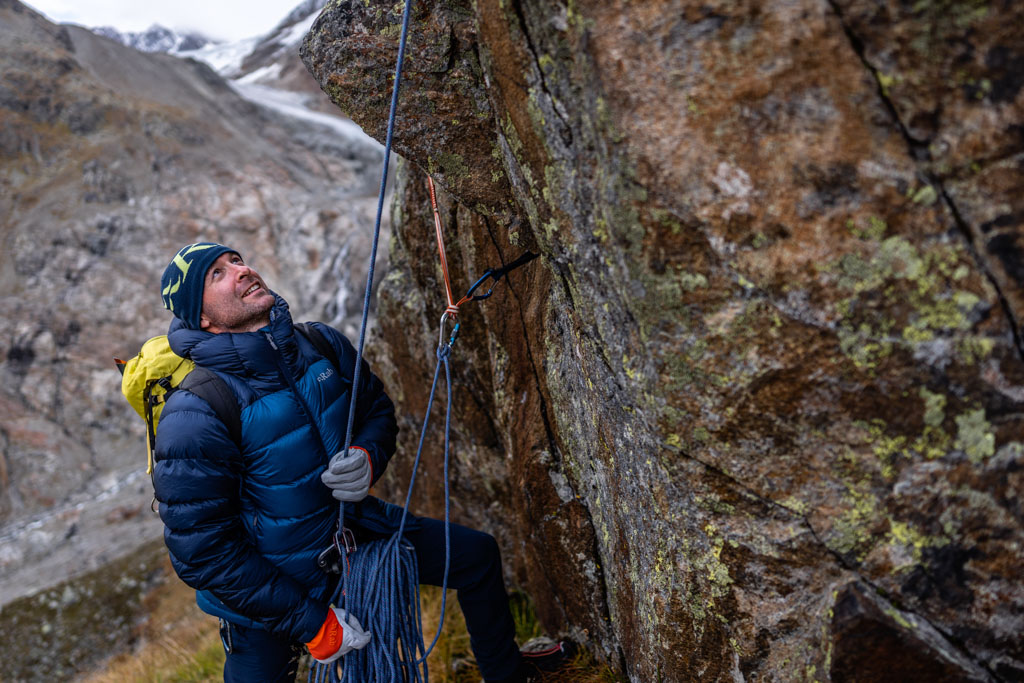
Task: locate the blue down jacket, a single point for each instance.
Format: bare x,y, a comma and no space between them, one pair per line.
244,523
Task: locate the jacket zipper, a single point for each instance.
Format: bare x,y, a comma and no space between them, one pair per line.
298,395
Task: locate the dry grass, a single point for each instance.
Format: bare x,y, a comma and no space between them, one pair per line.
181,644
451,660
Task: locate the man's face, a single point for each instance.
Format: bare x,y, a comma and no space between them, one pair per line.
235,298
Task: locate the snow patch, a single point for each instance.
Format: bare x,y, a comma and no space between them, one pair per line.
270,71
226,58
293,104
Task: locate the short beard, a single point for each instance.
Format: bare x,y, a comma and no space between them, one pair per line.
247,319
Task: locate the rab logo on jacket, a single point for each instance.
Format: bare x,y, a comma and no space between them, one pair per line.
325,375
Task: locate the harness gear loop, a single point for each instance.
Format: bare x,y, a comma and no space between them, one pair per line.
343,544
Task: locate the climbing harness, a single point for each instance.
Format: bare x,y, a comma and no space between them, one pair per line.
380,579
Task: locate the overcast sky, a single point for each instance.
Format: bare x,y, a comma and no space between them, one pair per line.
223,19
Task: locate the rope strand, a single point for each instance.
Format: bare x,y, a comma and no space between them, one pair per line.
394,560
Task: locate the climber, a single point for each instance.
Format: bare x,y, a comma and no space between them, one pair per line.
246,520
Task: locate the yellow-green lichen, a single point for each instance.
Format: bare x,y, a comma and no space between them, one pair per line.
933,441
900,618
925,195
863,345
603,121
874,231
973,348
552,186
885,81
894,278
934,407
974,435
550,229
796,505
450,164
534,111
913,540
691,106
850,532
515,144
717,573
667,218
885,447
691,281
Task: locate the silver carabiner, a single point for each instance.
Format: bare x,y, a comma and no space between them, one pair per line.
455,331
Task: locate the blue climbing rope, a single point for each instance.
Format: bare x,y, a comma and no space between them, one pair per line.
376,227
380,583
380,580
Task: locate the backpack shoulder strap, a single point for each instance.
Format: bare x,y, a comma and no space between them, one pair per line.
317,338
207,385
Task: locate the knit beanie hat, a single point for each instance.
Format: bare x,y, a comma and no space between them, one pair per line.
181,286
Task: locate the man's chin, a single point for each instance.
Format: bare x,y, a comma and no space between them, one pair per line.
266,301
261,299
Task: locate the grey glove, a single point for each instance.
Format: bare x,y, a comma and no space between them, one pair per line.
348,475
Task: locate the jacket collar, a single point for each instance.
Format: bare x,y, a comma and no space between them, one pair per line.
240,353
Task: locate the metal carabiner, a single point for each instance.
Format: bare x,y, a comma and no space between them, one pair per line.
476,285
455,330
343,544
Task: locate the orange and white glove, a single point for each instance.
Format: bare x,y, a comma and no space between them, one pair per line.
340,634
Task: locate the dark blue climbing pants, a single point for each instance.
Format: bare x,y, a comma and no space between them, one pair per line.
257,655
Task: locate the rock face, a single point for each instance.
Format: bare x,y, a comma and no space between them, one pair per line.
756,413
110,160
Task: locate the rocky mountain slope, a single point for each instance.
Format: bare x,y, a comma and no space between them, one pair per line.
110,160
756,413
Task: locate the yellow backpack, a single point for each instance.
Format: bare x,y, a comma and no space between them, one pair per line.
149,379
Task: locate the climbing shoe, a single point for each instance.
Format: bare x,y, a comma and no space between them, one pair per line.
544,656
